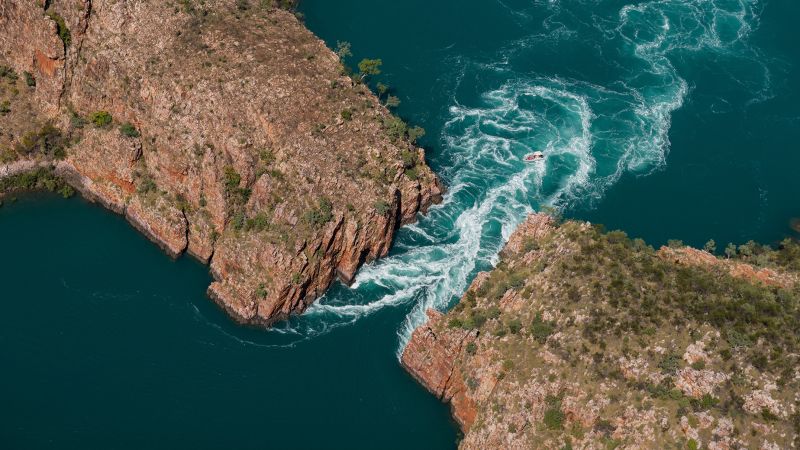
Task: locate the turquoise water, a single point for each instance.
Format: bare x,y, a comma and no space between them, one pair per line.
669,119
664,118
106,343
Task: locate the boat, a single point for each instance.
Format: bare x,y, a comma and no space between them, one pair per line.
534,157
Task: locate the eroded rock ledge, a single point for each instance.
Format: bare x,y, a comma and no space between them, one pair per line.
245,145
585,339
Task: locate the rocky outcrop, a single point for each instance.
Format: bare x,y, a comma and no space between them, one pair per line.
693,257
586,339
431,359
244,145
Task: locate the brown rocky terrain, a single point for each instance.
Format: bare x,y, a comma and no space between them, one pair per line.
585,339
220,128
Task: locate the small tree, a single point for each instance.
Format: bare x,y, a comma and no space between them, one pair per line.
368,67
415,133
730,251
711,246
343,49
29,79
382,89
127,129
100,118
392,101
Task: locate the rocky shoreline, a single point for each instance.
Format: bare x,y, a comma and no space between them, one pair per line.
228,133
541,352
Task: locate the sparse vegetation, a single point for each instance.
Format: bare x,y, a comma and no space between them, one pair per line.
321,214
554,419
127,129
382,207
147,184
343,50
369,67
39,179
29,80
397,130
63,31
593,300
8,73
48,142
100,119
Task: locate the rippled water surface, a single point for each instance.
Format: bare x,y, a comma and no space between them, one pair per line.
665,118
669,119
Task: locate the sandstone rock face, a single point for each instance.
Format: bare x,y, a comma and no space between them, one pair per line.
584,339
431,359
697,258
245,145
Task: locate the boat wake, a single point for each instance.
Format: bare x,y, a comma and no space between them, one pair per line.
592,131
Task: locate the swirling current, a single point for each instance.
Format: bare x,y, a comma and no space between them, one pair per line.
593,129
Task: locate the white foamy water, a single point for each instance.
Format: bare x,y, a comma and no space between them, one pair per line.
592,134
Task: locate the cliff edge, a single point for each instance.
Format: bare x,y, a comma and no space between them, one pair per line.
221,128
582,338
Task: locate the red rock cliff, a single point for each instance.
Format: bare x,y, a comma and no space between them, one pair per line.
250,150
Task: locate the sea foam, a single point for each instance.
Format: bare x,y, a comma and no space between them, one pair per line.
592,134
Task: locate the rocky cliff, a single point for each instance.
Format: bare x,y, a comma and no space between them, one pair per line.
220,128
586,339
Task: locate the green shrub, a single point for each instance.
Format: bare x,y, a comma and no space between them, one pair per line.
320,215
100,118
414,133
147,184
232,179
347,114
409,158
238,220
266,156
472,348
261,291
63,31
541,329
395,128
29,80
127,129
554,419
182,203
737,339
8,73
5,107
38,179
382,207
47,141
7,155
670,363
258,223
76,121
707,401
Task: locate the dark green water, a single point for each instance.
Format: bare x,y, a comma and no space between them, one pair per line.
669,119
106,343
665,118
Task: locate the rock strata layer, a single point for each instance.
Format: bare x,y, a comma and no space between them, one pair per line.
222,128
